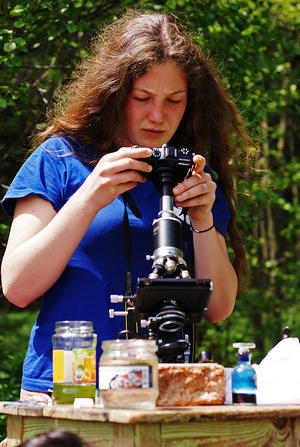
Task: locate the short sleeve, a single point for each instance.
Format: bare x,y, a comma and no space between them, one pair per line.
42,174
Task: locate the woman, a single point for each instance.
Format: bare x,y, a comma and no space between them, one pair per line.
146,84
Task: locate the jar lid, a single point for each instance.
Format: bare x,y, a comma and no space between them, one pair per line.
132,343
205,357
77,325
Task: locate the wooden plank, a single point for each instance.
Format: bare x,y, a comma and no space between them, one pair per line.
163,415
97,434
252,433
202,413
21,408
276,432
147,435
123,435
296,432
14,430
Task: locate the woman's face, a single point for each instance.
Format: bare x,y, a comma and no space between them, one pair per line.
155,106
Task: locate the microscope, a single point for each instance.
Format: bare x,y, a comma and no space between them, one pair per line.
169,302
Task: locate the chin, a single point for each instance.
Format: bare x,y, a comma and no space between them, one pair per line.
153,144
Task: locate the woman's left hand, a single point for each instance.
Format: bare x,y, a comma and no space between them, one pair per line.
197,193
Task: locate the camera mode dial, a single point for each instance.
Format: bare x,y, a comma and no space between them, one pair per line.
156,153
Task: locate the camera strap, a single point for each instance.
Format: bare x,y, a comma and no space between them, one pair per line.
190,328
185,240
130,324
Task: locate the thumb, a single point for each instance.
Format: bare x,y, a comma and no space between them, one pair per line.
199,163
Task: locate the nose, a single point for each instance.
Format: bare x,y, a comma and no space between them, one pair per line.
157,113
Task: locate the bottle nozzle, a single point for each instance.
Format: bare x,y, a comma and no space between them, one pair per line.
286,332
244,347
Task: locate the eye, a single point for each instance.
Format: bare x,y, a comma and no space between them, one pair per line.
173,101
140,99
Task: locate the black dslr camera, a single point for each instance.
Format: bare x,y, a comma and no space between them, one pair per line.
170,165
169,301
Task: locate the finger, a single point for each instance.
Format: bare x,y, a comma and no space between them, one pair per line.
191,181
129,176
195,201
110,167
134,152
196,191
127,152
133,164
110,182
200,163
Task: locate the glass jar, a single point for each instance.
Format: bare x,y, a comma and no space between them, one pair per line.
74,361
128,374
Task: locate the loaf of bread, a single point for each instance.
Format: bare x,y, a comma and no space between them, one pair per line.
188,384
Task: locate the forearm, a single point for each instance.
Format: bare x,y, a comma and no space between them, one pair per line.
197,193
212,262
31,267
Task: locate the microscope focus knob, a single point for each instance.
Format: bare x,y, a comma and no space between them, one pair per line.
170,265
117,313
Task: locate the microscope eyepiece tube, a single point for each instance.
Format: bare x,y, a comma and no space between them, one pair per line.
167,203
167,233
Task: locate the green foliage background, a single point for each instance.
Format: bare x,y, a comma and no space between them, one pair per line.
255,46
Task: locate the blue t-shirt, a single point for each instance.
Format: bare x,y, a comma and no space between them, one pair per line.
98,266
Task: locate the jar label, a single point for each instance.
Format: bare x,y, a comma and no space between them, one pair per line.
129,376
74,367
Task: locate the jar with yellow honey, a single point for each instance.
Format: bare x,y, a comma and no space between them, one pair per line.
74,361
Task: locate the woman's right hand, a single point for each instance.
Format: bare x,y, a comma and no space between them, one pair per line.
41,241
116,173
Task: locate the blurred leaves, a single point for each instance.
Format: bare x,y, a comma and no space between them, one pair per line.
256,48
14,332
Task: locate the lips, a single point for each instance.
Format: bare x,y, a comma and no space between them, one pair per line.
154,132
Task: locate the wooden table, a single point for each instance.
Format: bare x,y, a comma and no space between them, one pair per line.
210,426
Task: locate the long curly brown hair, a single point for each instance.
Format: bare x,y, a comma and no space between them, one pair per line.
91,107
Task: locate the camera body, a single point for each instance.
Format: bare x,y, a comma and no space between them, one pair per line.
169,164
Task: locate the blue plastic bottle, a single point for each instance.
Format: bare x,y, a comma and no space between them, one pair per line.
244,376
